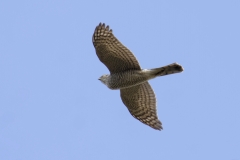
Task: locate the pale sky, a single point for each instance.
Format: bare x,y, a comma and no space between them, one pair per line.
52,105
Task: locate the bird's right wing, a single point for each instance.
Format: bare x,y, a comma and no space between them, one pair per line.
111,52
141,103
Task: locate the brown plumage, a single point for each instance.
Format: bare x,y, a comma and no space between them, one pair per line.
127,75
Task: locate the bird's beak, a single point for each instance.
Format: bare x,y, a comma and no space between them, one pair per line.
98,78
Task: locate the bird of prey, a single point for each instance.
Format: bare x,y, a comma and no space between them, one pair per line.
127,75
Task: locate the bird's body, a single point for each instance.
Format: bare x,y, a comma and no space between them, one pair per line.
125,79
127,75
132,78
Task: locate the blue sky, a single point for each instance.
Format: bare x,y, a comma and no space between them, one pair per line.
52,105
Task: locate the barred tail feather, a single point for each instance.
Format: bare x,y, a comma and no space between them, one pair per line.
166,70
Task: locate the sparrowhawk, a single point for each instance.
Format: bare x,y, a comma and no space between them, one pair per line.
127,75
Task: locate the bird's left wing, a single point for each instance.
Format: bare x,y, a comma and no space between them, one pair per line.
111,52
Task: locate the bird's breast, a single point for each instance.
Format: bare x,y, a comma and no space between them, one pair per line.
126,79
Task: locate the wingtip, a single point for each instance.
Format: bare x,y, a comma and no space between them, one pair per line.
160,128
157,126
101,30
103,25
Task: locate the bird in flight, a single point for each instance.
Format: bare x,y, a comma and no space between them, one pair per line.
127,75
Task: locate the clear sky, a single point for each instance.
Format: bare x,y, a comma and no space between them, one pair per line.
52,105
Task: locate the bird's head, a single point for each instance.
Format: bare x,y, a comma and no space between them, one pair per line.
104,79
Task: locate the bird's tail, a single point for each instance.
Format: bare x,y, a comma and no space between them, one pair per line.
166,70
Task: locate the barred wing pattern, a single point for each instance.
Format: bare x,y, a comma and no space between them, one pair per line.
111,52
141,103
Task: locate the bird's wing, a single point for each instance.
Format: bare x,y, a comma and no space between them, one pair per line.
111,52
141,103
